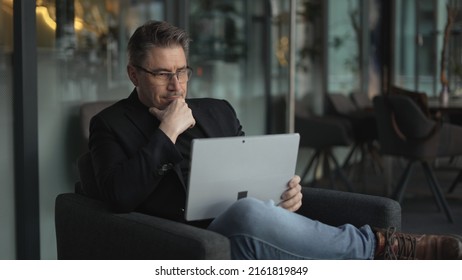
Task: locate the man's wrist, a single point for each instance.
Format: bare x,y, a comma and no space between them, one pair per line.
171,134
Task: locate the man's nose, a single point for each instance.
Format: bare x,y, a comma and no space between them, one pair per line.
174,83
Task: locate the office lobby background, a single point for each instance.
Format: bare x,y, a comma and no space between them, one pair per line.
240,52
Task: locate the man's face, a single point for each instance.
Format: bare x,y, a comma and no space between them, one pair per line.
152,91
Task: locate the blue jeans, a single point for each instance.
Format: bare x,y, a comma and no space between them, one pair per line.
261,230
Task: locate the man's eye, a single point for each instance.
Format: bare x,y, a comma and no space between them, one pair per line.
161,75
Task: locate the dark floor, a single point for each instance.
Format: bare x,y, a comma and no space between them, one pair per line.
420,213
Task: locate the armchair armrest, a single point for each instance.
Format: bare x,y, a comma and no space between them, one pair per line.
337,208
87,229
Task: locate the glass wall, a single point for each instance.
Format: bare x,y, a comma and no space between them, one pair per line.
239,53
356,47
81,58
7,212
310,57
419,29
219,54
344,41
413,28
454,46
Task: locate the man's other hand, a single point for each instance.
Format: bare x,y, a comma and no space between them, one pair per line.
292,197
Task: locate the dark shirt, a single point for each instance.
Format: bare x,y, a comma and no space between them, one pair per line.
183,144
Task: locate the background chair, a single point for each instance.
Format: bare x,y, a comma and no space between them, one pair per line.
86,228
420,98
364,129
405,131
361,100
455,182
323,134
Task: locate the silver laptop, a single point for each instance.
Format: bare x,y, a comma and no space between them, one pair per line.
226,169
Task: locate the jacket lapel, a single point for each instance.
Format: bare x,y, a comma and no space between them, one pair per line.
139,115
203,119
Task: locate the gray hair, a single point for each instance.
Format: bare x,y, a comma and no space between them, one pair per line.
155,34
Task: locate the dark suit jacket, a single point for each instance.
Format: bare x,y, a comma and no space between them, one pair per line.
135,163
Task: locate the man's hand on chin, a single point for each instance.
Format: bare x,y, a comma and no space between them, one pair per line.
175,118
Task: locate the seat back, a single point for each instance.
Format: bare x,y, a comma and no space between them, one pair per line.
363,122
341,104
321,132
403,129
361,100
420,98
87,111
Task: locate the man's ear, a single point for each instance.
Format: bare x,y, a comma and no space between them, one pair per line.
132,75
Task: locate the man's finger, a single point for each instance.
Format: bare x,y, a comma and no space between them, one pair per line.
155,112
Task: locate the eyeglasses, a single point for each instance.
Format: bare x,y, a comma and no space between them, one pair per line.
163,77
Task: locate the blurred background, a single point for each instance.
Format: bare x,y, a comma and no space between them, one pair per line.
271,59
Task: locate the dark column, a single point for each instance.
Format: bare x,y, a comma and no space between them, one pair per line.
65,32
25,131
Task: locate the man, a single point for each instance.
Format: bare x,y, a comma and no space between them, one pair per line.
140,149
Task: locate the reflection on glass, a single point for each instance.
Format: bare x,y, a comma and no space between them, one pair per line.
343,50
418,37
81,58
226,56
218,30
7,213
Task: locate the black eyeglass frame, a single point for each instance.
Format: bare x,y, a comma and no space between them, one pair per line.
155,74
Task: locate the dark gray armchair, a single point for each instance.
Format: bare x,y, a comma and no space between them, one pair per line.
86,228
323,134
405,131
